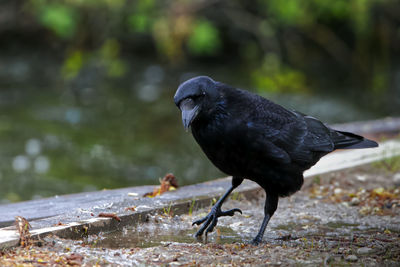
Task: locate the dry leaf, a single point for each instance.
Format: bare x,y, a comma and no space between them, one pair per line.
109,215
23,227
132,208
75,259
168,183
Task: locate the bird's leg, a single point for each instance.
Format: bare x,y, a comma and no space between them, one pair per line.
211,220
271,203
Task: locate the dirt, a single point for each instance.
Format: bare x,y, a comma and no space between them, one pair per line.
346,218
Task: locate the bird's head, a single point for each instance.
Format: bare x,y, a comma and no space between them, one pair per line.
195,96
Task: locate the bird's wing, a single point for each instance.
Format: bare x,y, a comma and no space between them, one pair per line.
268,139
318,136
290,137
276,133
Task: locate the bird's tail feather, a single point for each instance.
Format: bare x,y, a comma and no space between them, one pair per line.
346,140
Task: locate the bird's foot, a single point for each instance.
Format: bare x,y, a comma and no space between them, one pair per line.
256,241
211,220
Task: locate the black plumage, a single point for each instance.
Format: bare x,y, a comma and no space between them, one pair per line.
248,136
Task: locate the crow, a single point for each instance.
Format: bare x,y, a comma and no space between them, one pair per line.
249,137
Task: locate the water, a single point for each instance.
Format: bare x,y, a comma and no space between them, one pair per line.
133,238
59,137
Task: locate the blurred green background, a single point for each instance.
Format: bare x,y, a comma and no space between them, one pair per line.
86,87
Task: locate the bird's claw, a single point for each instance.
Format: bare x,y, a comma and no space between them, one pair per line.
230,212
256,241
198,222
211,220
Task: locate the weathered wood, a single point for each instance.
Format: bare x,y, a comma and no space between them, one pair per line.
387,126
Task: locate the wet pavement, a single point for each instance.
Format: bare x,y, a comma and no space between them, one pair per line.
344,218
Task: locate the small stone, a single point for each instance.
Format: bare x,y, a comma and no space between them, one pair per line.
341,250
377,210
396,179
365,210
364,250
337,191
346,204
351,258
361,178
355,201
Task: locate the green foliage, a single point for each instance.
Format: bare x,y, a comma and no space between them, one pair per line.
236,196
304,13
191,207
391,165
110,49
73,64
289,11
380,82
273,77
109,54
116,68
337,9
360,14
317,180
145,5
139,22
167,210
204,39
354,38
114,4
59,18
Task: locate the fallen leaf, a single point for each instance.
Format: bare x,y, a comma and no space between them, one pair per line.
109,215
74,259
132,208
168,183
23,227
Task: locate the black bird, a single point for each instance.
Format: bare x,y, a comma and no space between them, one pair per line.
248,136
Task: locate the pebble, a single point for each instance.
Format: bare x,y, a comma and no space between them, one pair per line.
361,178
337,191
351,258
396,179
364,250
355,201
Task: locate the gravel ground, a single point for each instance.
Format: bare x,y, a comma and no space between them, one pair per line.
346,218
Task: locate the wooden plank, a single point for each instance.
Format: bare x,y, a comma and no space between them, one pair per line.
345,159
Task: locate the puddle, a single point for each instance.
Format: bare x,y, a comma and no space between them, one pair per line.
135,238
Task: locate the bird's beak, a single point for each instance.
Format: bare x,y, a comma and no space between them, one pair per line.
189,111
